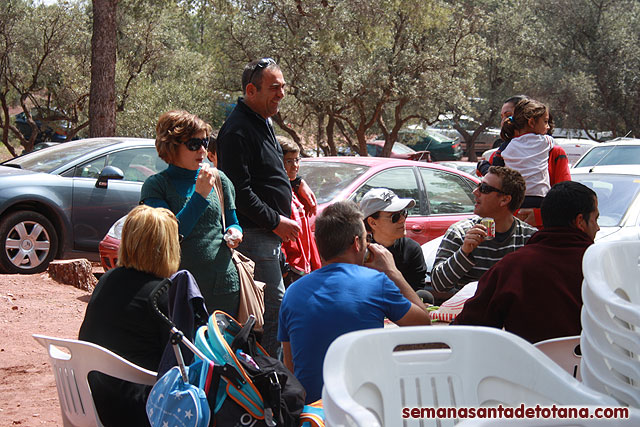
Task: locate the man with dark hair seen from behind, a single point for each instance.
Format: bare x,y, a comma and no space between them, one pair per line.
535,292
342,296
465,253
250,156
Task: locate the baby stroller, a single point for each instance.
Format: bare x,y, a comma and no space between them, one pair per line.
232,381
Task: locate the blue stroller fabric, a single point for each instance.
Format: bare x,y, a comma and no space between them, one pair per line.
252,386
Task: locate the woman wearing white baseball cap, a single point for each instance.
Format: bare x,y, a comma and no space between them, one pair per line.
384,218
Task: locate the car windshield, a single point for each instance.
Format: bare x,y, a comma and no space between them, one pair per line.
615,194
413,137
438,137
327,179
49,159
449,124
400,148
611,155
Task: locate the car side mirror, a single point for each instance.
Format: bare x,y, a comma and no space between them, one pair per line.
109,172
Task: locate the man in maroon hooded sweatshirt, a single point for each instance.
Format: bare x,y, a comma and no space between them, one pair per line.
535,292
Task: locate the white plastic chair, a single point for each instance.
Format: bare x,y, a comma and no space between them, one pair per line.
565,352
71,368
367,383
610,339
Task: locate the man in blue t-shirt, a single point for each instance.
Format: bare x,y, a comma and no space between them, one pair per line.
343,296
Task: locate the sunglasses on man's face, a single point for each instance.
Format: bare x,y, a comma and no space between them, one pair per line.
263,63
396,216
485,188
295,161
194,144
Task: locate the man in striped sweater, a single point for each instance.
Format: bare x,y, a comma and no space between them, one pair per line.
465,253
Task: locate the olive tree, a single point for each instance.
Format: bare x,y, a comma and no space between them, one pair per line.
588,62
44,65
352,67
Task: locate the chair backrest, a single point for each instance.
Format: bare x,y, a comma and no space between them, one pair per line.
368,380
72,360
610,317
565,351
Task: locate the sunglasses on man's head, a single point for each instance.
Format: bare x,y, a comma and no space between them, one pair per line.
485,188
396,216
194,144
263,63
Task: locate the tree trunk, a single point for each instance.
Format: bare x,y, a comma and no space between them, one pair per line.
75,272
330,135
6,123
320,134
102,101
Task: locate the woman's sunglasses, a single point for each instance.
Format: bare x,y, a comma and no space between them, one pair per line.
396,216
486,189
194,144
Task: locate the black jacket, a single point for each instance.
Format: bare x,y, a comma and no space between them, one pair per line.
119,317
252,159
409,260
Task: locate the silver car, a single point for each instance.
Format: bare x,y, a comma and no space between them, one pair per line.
620,151
618,190
59,202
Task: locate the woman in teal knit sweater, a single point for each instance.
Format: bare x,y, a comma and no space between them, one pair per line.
186,188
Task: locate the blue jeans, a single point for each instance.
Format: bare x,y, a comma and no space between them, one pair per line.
263,247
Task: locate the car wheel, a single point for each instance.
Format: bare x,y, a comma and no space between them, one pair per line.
28,242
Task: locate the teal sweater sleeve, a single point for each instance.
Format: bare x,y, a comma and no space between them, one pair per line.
184,182
188,215
232,219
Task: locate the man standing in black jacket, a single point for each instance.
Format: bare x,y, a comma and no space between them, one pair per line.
250,155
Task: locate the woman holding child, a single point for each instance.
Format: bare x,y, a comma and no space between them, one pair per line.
186,187
528,148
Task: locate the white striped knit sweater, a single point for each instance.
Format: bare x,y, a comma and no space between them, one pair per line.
453,269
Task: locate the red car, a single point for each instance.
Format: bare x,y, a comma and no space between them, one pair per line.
443,195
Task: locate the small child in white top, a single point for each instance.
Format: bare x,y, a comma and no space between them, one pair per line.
528,149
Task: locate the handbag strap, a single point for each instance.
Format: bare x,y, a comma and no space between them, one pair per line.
217,184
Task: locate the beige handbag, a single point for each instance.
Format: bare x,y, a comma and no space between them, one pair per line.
251,291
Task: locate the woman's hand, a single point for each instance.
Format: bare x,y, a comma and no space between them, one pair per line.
307,198
527,215
205,180
233,237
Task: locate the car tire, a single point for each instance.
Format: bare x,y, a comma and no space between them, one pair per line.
28,243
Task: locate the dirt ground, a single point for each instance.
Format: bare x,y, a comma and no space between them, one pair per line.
33,304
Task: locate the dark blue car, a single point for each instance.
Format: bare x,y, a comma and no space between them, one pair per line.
54,130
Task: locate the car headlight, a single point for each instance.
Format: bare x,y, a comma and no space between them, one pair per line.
116,229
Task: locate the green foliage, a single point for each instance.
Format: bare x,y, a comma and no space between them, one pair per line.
586,57
44,60
355,68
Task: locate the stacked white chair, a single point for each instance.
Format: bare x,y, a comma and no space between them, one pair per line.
610,340
368,380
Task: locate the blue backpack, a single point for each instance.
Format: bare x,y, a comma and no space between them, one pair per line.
174,402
